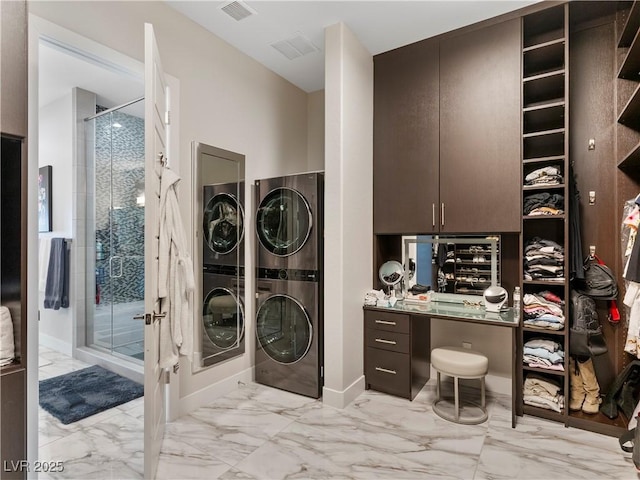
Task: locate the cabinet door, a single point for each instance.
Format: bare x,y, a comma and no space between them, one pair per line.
480,130
405,143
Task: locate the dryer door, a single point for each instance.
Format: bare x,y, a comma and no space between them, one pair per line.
284,329
223,223
223,318
283,221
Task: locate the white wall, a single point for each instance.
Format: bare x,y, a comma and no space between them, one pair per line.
56,149
227,100
348,210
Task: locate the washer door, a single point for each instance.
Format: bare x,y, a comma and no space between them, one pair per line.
283,329
283,221
223,223
223,318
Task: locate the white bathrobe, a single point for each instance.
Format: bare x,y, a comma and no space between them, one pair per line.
176,281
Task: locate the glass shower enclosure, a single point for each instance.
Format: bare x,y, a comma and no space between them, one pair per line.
115,231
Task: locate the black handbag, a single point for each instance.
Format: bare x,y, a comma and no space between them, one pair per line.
599,281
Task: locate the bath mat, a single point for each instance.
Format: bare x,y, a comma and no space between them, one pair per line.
80,394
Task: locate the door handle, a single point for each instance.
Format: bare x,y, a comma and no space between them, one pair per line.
148,317
442,214
433,215
111,266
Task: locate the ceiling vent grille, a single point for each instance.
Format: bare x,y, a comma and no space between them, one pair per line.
294,47
238,10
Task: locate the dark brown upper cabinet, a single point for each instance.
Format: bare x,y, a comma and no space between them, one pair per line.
480,130
447,134
406,140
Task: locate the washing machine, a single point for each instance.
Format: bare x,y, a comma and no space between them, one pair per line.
289,335
223,224
289,222
222,313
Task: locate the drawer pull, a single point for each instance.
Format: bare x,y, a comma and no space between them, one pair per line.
385,322
388,342
385,370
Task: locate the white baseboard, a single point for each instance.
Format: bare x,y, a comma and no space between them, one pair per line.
340,399
55,344
207,395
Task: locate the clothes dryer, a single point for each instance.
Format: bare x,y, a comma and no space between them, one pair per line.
222,314
289,335
289,222
223,224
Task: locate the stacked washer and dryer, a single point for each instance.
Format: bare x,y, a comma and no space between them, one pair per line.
289,284
223,272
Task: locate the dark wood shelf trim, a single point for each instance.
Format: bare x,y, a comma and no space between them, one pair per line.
11,368
630,68
552,73
543,282
544,413
630,115
557,373
557,103
630,27
543,45
542,133
598,423
631,159
546,331
543,187
554,158
543,217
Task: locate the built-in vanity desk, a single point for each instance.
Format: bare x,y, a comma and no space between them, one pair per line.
397,344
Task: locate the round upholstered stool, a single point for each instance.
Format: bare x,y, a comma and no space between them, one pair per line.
460,363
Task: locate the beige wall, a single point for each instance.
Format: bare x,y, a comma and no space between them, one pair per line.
227,100
348,207
315,129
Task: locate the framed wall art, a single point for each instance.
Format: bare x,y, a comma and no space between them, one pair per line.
44,199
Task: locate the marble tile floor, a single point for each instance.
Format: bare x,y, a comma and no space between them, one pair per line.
258,432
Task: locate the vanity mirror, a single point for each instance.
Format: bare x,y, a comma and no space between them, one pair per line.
391,274
219,193
453,264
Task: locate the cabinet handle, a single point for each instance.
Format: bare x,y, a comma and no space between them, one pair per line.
385,370
389,342
386,322
433,215
442,209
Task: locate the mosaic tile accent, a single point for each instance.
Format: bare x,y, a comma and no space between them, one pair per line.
119,218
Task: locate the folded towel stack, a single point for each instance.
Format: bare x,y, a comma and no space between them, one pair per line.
7,347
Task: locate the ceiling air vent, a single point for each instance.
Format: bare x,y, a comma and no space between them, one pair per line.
295,46
238,10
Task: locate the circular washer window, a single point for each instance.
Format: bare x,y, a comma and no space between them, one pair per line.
223,318
283,221
223,223
283,329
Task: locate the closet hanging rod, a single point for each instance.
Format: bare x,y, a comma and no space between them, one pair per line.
112,109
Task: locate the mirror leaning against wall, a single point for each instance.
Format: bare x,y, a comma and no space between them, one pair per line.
219,193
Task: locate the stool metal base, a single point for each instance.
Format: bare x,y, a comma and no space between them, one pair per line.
440,405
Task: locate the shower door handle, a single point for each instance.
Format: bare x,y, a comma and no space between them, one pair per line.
111,266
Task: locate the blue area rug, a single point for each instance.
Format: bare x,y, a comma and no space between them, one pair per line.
80,394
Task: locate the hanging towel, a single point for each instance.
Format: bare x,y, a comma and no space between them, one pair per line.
43,262
56,294
176,282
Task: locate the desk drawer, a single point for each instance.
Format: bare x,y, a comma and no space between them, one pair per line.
388,372
390,322
395,342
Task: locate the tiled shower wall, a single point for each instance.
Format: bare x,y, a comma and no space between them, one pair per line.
119,207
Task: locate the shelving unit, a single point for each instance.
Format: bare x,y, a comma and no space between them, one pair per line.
473,268
545,127
629,115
